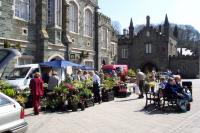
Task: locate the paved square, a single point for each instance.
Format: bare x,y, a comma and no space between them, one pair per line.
120,116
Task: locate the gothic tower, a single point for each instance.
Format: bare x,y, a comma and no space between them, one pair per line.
166,26
175,32
131,28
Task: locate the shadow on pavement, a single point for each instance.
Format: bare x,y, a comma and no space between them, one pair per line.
127,100
152,109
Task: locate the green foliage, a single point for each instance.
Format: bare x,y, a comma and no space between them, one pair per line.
85,93
87,83
74,99
9,92
131,73
19,96
61,89
6,44
7,89
18,46
108,83
53,103
77,84
22,99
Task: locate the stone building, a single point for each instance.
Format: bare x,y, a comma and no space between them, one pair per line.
47,30
149,49
107,41
187,66
153,48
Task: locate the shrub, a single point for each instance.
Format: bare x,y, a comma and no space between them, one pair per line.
131,73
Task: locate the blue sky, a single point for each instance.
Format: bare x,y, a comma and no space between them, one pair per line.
178,11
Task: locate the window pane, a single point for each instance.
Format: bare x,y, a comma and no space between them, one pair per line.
104,37
18,73
73,17
3,101
3,55
124,53
88,22
51,5
22,9
150,49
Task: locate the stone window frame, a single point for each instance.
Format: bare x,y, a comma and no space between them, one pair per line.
104,32
73,16
26,59
23,29
91,62
113,49
88,22
0,3
124,53
58,36
20,7
54,15
50,14
148,48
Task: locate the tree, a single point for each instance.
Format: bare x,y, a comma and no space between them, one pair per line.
116,27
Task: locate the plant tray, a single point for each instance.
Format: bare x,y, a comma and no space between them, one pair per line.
107,96
89,102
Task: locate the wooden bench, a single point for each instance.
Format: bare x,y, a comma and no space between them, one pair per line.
152,97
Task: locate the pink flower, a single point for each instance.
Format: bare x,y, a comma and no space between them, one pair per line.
68,86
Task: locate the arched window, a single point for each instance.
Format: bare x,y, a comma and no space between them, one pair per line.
88,22
55,12
73,17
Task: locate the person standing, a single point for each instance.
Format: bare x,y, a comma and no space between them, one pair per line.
54,81
153,74
37,90
96,82
140,80
84,77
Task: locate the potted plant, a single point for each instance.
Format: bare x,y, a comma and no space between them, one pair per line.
85,95
7,89
107,89
74,100
21,99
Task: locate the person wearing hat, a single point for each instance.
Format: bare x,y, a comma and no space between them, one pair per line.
54,81
37,90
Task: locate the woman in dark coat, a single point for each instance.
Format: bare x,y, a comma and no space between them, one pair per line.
37,90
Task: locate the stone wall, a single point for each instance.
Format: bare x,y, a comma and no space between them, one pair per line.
108,49
81,44
188,66
39,40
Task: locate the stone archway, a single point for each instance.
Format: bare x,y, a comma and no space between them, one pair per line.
56,57
148,67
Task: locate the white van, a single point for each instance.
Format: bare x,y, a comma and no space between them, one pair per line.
20,76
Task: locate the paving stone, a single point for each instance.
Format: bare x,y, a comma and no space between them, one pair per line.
124,115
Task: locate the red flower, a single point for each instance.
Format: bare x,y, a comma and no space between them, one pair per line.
68,86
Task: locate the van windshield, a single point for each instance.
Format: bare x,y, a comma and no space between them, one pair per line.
107,71
3,55
18,73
